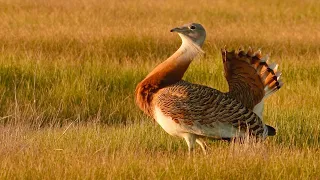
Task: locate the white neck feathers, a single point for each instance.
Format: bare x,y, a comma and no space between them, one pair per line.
188,49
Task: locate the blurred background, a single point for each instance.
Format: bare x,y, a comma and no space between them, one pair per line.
68,71
79,61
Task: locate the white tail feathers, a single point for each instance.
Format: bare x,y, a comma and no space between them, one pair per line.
258,109
269,75
271,78
273,66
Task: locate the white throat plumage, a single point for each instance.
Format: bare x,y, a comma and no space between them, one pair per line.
189,49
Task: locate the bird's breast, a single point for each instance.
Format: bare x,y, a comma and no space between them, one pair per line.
167,123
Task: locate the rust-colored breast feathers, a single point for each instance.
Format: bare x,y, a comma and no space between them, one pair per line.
167,73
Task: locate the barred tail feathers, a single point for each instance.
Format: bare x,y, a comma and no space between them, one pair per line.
270,76
251,77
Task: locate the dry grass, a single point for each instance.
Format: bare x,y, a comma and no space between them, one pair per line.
144,152
78,62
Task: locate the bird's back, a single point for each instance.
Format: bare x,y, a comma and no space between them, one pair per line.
204,111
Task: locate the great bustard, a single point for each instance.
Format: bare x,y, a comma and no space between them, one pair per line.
193,111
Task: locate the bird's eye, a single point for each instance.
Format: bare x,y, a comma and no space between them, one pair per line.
192,27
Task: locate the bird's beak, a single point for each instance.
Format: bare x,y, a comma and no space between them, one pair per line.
175,29
179,29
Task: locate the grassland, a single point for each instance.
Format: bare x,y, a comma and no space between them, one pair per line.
68,70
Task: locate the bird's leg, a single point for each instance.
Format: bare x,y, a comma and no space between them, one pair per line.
190,139
203,145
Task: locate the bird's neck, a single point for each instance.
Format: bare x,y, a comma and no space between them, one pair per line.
167,73
172,70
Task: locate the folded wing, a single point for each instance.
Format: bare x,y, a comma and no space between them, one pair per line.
207,112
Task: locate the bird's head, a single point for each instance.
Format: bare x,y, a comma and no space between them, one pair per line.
193,31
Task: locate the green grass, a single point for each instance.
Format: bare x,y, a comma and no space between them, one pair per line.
68,71
144,151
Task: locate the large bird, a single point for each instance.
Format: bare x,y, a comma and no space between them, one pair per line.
194,111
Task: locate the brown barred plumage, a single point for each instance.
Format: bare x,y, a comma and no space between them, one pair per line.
196,106
194,111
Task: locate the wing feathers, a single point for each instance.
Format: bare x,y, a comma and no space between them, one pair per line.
184,103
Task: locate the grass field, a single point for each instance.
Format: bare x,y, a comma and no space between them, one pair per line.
68,71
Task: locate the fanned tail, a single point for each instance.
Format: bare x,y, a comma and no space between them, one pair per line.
251,77
270,77
268,72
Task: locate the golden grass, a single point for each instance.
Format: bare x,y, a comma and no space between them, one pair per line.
143,152
77,62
